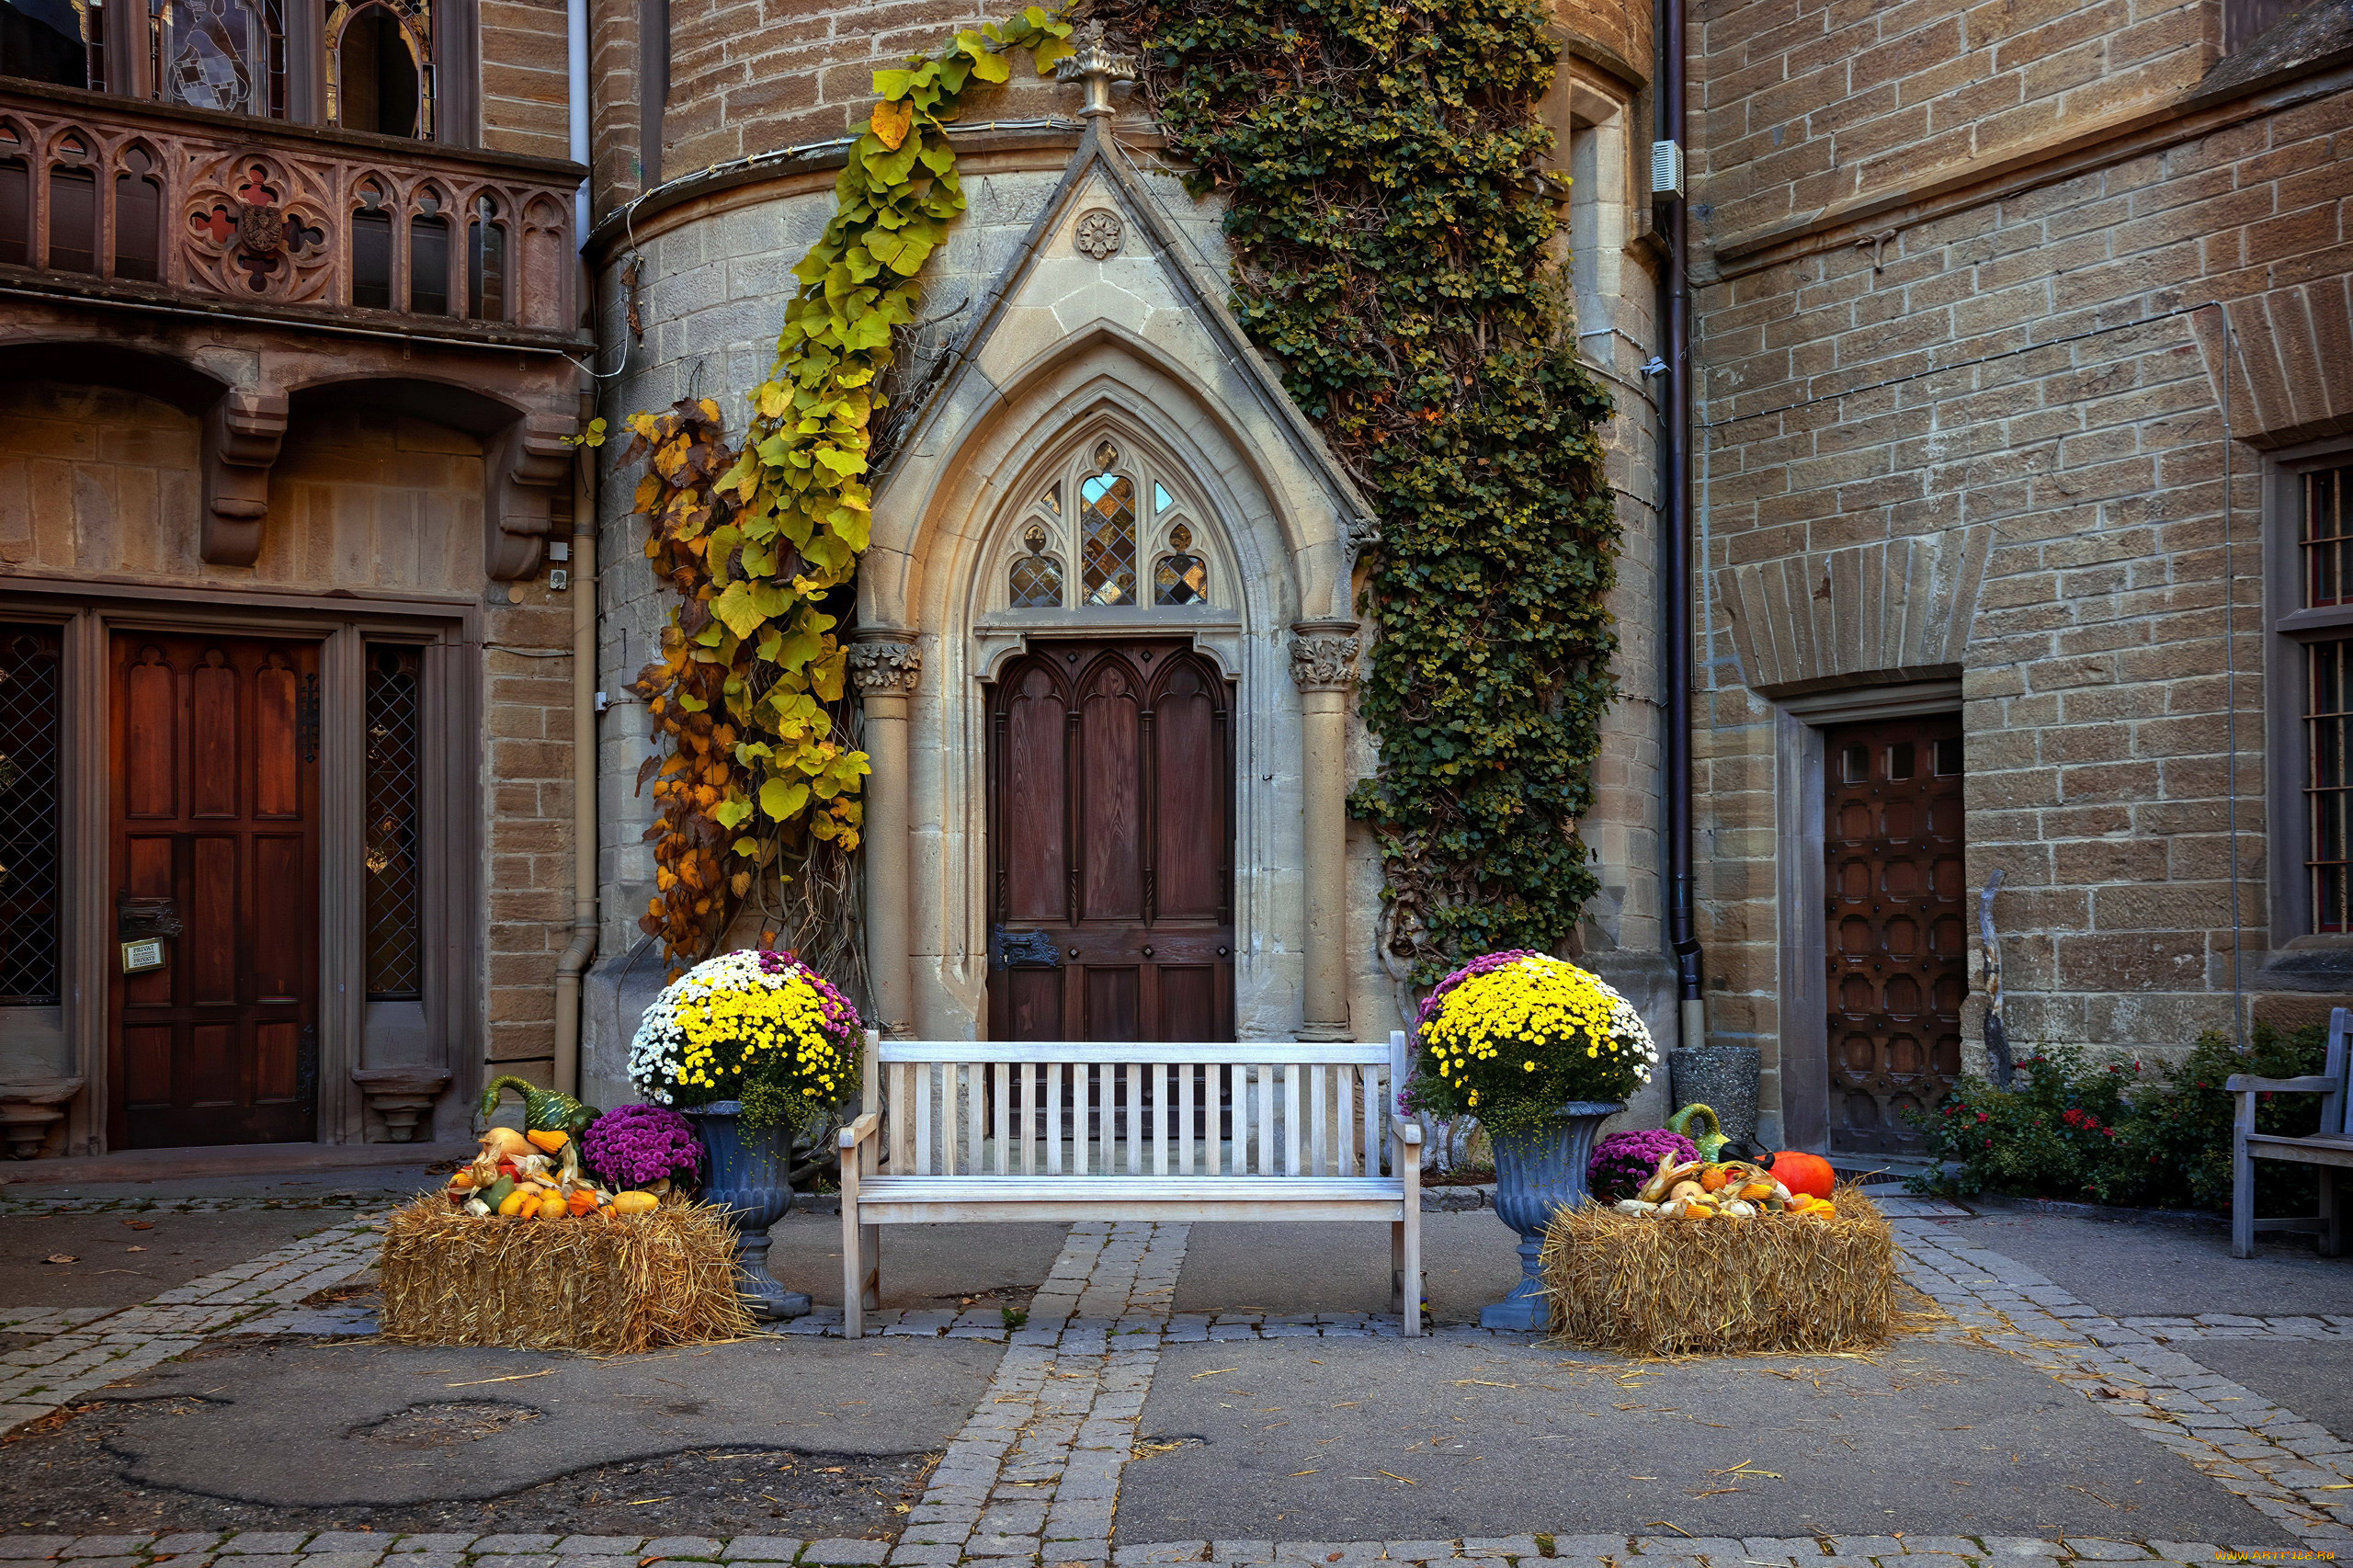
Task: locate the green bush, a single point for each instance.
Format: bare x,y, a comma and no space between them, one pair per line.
2117,1133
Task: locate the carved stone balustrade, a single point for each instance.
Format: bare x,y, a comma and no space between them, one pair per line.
106,196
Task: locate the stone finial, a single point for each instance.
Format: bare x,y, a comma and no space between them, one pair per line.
1324,661
884,668
1094,60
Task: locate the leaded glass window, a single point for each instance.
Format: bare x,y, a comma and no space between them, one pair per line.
1113,531
1036,580
396,806
1107,550
29,815
1181,577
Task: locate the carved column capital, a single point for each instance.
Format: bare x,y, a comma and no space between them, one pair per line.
1324,654
885,668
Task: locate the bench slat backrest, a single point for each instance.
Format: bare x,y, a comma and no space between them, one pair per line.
1068,1108
2336,1105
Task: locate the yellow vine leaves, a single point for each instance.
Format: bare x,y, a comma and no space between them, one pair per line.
760,540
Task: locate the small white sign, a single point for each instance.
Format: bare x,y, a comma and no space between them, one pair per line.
140,956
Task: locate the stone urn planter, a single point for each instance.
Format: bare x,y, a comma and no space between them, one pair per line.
749,1172
1534,1176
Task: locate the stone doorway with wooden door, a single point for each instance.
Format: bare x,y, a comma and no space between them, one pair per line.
1895,965
1111,844
214,829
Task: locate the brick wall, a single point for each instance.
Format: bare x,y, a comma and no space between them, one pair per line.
1802,105
2094,670
525,78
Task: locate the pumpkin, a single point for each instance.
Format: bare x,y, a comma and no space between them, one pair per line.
1804,1174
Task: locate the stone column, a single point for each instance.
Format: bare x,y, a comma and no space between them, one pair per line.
1324,663
885,667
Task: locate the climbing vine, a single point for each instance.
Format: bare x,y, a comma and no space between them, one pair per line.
760,541
1394,243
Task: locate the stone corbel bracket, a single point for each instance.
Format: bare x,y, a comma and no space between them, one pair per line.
400,1096
242,434
522,468
29,1112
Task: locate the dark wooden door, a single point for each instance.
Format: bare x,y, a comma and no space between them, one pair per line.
1896,887
1111,845
215,830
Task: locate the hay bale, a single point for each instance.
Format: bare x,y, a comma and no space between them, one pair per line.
614,1285
1655,1287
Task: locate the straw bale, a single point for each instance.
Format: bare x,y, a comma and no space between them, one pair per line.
1653,1287
614,1285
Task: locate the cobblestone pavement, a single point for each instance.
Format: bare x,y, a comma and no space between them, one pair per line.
81,1348
360,1549
2298,1473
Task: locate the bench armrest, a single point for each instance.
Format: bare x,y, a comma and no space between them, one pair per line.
1408,1133
2245,1084
859,1132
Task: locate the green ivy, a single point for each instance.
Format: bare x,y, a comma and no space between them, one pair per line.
1395,247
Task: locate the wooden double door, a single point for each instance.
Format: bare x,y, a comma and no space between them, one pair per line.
1897,926
1111,845
214,816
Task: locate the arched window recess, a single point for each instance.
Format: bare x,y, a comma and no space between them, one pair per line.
1114,531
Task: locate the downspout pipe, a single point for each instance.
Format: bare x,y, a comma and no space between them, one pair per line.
573,964
576,42
1675,555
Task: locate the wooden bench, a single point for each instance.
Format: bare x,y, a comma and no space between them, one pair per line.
1036,1130
2330,1148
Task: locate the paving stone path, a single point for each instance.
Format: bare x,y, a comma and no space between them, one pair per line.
82,1348
360,1549
2295,1471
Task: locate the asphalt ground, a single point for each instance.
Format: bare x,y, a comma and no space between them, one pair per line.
119,1259
1392,1440
923,1267
1238,1266
2157,1270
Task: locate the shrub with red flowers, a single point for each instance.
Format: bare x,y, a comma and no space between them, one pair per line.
2122,1132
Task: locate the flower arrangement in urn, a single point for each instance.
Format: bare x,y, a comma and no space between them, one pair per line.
1512,1036
752,1026
650,1147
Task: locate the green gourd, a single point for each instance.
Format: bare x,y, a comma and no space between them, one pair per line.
544,1110
1710,1143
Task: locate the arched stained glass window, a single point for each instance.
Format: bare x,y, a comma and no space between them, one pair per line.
1107,549
1114,530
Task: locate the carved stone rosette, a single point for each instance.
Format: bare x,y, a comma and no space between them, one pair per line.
1324,661
885,668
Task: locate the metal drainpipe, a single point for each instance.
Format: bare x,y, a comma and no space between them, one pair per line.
1675,554
573,964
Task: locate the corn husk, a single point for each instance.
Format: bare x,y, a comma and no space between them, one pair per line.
1653,1286
611,1285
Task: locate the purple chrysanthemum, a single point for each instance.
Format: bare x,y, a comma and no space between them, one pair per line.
1623,1161
633,1145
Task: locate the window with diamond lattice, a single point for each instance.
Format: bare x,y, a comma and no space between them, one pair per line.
29,815
396,883
1107,534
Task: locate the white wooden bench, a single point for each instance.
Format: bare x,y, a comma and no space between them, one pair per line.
2329,1147
1036,1130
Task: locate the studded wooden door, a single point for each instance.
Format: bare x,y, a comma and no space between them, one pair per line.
215,829
1896,888
1111,845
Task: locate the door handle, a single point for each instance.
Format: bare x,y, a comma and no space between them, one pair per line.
135,917
1023,949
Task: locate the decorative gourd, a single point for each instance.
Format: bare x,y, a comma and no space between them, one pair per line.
544,1110
1710,1143
635,1203
549,1142
1804,1174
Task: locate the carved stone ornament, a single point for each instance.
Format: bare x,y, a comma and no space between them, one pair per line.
1095,61
1324,662
884,667
1099,233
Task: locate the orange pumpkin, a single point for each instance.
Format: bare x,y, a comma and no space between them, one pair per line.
1809,1175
